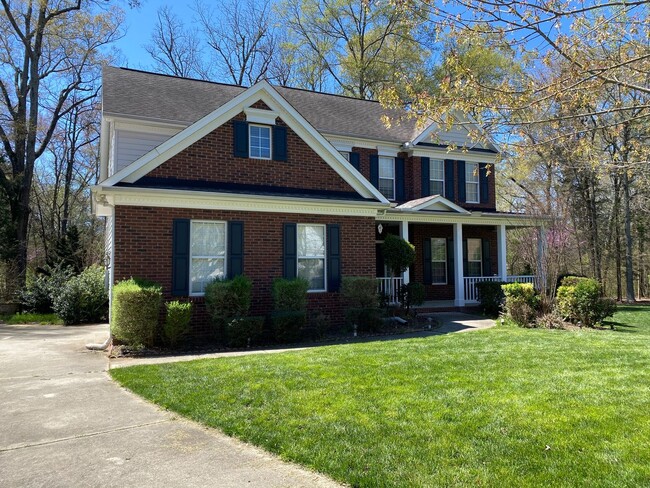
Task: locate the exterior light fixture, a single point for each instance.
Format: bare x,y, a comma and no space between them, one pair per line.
380,228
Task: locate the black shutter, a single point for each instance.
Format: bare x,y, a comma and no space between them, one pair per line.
181,257
333,257
355,160
290,253
451,272
235,249
449,179
240,131
487,260
426,258
374,170
426,185
465,265
461,180
483,182
279,143
399,180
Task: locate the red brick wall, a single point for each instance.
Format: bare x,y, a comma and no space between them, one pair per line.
419,232
212,159
143,249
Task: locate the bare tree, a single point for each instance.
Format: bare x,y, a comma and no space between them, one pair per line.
241,38
174,48
49,64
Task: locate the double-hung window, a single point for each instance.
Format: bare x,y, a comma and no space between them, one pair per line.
436,177
259,140
439,261
311,255
207,254
387,177
471,183
474,258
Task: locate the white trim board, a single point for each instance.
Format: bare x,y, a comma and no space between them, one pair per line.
261,91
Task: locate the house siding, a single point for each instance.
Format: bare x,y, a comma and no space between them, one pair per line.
212,159
143,249
131,145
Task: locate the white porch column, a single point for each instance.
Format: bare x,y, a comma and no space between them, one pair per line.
459,281
404,234
501,248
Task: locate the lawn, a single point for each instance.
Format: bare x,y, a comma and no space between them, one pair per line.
499,407
32,318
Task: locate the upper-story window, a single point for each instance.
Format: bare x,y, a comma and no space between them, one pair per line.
471,183
436,177
387,177
208,254
259,141
346,155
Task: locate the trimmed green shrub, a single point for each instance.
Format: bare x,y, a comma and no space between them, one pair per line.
490,295
228,298
288,325
398,253
367,320
290,295
521,302
83,298
244,331
411,294
41,290
579,300
177,321
317,327
360,291
135,312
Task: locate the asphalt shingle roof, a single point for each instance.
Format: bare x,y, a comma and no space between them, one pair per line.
145,95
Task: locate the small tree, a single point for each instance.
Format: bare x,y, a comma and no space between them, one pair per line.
398,254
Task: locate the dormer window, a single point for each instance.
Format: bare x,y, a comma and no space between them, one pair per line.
387,177
436,177
259,141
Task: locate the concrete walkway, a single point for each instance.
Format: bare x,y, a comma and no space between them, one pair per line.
450,322
63,422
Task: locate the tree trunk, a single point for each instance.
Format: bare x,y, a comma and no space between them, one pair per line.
629,269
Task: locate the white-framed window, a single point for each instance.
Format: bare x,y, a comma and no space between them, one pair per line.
439,261
387,177
311,255
259,141
346,155
471,183
436,177
474,258
207,253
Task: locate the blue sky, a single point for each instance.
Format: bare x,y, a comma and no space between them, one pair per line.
139,25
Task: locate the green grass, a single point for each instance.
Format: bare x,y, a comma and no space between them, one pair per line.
500,407
32,318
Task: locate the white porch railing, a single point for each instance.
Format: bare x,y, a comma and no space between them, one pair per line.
389,287
471,294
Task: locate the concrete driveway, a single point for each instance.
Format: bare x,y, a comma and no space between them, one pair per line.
63,422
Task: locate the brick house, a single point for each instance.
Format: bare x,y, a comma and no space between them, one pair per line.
201,180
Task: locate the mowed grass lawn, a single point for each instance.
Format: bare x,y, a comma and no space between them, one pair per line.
500,407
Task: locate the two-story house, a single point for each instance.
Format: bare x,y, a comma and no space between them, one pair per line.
203,180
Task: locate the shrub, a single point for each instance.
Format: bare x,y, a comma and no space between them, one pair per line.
398,253
290,295
317,326
579,300
177,321
411,294
136,308
360,291
83,298
225,299
565,302
288,325
41,291
491,296
244,331
521,302
365,319
550,321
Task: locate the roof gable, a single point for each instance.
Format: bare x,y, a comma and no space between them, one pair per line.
433,203
264,92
